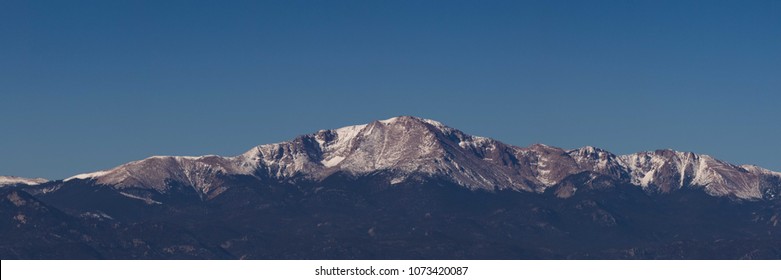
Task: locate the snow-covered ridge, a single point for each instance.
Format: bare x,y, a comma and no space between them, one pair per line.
757,169
13,180
410,147
85,176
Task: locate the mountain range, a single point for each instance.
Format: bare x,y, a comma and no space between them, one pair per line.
404,187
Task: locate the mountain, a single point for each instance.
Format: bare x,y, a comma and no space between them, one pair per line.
410,148
402,188
12,180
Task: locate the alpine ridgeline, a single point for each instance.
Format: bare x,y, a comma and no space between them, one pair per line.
415,149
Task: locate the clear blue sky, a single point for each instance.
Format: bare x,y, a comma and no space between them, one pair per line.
88,85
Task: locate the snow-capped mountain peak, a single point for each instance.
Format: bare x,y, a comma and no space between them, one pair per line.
408,147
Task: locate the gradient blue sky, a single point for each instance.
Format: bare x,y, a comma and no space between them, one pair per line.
88,85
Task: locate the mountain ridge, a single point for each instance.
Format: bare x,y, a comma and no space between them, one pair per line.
403,188
14,180
410,147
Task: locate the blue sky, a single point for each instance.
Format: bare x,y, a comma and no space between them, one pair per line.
88,85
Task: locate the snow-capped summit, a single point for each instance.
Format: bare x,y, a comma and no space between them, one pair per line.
405,148
13,180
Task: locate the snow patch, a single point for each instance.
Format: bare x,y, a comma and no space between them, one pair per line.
647,178
346,134
98,215
144,199
332,161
